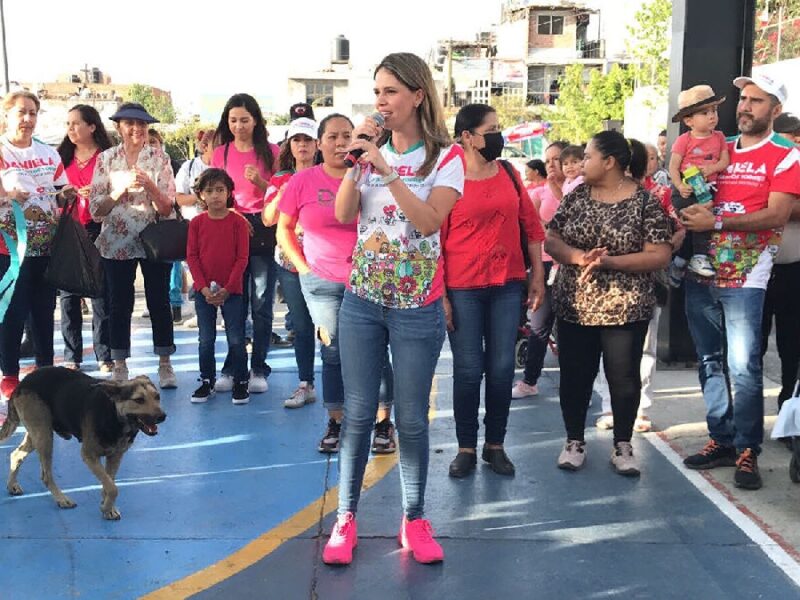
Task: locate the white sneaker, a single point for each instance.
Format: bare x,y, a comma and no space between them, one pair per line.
191,322
700,265
623,460
573,456
224,384
166,377
258,384
304,394
523,390
145,314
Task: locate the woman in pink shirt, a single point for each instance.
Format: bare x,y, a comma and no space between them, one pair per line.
86,138
324,263
245,154
546,200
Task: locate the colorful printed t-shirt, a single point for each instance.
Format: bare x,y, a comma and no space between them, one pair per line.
249,198
744,258
393,263
37,170
699,151
327,244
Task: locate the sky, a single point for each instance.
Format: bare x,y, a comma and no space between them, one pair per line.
200,47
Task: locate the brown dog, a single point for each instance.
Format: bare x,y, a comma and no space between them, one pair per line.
104,416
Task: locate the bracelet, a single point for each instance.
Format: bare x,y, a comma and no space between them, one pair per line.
387,179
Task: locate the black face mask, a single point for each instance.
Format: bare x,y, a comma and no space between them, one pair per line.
494,146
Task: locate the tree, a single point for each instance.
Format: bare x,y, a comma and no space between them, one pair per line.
649,43
582,105
766,36
511,110
180,141
158,106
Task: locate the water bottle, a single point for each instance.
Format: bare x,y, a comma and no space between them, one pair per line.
694,178
213,287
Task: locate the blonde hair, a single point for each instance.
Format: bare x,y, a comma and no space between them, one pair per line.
412,72
11,98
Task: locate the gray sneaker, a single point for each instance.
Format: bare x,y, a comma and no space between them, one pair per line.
573,456
623,460
304,394
120,373
166,377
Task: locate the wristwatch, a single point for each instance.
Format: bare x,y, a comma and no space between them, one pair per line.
718,223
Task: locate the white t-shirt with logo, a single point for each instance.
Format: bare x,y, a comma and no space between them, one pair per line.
37,170
393,263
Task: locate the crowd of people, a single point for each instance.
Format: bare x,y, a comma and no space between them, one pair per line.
389,235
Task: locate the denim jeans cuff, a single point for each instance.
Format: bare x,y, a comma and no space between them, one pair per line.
162,350
334,405
120,354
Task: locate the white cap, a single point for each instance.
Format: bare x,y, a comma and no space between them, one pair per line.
766,83
303,126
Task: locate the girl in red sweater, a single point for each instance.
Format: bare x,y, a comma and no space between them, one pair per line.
217,251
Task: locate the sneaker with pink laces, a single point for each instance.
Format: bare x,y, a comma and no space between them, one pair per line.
343,540
523,390
417,536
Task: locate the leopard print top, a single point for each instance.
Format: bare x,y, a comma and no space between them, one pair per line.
609,297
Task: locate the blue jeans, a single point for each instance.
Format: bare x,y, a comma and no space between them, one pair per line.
233,313
176,285
415,337
260,277
729,319
324,301
305,346
72,325
485,321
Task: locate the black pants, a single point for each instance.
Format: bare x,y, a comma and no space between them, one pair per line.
579,351
780,302
33,297
695,242
120,277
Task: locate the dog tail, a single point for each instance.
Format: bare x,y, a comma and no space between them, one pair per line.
11,423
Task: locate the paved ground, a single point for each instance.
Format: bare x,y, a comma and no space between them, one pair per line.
229,502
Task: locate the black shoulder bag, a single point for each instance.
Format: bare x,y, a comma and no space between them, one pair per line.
165,239
262,238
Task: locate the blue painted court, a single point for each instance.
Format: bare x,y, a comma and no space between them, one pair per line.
213,507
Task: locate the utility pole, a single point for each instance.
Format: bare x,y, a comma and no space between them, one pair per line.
5,53
449,102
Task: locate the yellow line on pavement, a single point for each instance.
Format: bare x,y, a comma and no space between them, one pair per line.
377,469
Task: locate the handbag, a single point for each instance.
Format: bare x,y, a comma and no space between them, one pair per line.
262,238
523,237
75,264
164,240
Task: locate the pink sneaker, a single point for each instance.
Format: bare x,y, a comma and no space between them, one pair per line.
417,536
343,540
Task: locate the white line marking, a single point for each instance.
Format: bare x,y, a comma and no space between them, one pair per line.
782,559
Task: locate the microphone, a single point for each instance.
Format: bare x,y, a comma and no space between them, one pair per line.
352,157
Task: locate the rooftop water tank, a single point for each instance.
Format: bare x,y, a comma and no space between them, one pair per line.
340,54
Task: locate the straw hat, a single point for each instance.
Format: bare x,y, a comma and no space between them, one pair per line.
694,99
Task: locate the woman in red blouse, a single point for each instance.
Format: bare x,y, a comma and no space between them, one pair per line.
485,277
86,138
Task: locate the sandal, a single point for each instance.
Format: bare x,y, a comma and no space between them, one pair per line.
643,424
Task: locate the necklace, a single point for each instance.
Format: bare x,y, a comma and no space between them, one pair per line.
610,196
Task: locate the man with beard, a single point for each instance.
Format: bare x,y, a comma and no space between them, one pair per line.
754,200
